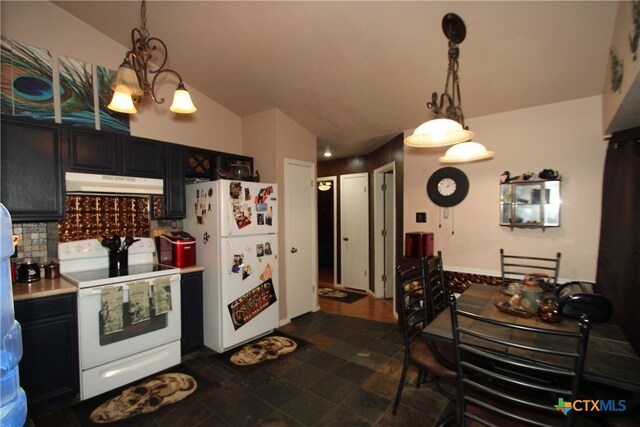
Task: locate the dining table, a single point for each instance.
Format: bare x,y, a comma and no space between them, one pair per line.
610,360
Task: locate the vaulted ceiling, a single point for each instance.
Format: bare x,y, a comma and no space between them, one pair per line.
356,73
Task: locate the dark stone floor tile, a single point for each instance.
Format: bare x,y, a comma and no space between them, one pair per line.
256,379
224,400
340,417
214,420
326,361
383,347
278,419
354,372
366,404
248,411
304,375
370,359
343,350
382,385
186,412
278,392
307,353
408,416
307,408
333,388
284,366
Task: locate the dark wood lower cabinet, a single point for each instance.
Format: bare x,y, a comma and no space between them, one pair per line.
191,306
49,372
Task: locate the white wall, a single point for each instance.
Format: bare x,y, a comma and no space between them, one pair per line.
44,25
566,137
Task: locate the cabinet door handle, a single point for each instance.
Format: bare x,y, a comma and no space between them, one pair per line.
294,250
346,239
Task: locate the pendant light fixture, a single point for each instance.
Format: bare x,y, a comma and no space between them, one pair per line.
448,128
131,84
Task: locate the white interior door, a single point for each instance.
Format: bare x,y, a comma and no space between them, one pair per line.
354,230
300,237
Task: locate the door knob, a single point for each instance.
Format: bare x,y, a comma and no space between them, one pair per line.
294,250
346,239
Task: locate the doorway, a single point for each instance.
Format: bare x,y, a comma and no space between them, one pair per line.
384,205
300,246
327,229
354,231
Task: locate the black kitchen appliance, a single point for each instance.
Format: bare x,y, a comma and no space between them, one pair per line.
576,298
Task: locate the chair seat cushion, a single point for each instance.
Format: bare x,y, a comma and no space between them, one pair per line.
422,355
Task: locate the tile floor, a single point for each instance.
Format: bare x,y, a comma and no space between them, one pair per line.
347,377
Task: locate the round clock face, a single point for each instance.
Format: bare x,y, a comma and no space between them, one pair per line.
448,186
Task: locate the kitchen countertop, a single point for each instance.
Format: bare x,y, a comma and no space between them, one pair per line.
42,288
49,287
191,269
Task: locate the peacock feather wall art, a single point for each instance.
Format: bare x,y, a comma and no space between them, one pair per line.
27,80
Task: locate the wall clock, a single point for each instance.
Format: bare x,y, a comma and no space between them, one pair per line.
447,186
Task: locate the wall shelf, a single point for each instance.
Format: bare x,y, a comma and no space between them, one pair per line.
530,204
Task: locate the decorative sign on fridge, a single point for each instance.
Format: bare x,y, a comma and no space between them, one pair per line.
251,304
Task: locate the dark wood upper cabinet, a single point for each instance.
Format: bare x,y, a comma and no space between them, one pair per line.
32,182
93,151
172,204
143,157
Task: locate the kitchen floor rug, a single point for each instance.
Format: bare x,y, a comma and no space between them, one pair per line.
261,352
340,295
167,394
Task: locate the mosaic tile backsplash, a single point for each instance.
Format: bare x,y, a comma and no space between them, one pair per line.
92,216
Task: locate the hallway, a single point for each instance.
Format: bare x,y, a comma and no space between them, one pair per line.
369,308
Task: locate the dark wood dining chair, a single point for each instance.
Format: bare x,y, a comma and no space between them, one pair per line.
415,311
515,268
528,377
437,291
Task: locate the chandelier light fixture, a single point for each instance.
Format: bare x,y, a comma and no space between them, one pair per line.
131,84
324,185
448,128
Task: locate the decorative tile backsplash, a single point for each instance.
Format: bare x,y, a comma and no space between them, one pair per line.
88,217
92,216
37,241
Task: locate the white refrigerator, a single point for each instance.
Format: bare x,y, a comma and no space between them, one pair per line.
236,230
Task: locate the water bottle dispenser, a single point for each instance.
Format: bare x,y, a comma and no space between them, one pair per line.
13,402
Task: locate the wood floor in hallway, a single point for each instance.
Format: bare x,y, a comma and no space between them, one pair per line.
367,308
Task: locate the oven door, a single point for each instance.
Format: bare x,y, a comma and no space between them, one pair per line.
103,341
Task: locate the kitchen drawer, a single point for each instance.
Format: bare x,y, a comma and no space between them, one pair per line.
42,308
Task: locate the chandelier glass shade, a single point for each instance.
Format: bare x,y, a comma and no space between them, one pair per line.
466,152
438,133
131,84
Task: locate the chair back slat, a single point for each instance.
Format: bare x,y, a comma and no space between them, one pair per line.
514,268
516,373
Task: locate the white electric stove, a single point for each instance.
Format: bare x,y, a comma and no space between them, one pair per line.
128,319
